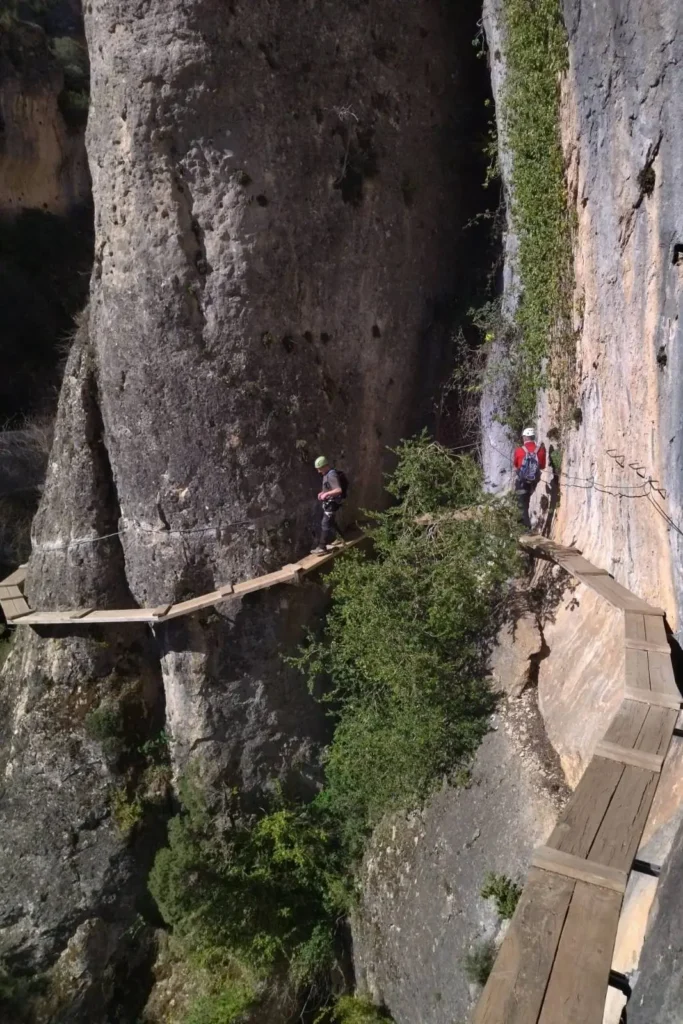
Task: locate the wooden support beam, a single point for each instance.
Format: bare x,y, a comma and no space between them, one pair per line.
628,755
548,859
646,645
660,700
161,610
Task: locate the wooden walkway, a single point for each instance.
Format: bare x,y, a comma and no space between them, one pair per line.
18,613
554,964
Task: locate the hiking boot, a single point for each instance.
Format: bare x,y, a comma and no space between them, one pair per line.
319,551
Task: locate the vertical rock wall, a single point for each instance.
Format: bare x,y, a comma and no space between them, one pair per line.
278,194
623,154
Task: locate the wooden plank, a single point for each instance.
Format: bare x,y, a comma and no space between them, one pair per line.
271,579
102,616
79,613
662,678
578,983
646,645
160,610
195,604
16,578
617,595
662,700
99,616
619,834
582,870
578,565
514,991
655,736
627,755
627,724
634,626
655,630
15,607
535,542
580,820
637,670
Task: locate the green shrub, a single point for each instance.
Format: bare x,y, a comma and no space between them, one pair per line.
355,1010
268,892
406,637
224,1007
478,962
126,810
504,891
106,725
17,994
536,54
403,656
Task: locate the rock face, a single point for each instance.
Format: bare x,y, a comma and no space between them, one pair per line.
45,213
626,157
43,164
421,912
621,464
276,241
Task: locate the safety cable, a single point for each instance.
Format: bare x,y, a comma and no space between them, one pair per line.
49,547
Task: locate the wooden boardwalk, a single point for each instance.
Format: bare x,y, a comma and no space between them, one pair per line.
554,964
18,613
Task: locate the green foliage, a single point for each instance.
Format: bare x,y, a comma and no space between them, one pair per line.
504,891
478,962
17,994
224,1007
267,892
536,54
406,636
126,810
156,749
74,99
403,655
355,1010
556,459
106,725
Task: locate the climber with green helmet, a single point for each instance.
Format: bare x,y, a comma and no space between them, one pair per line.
334,488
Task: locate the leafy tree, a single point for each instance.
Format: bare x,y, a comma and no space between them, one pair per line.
267,892
405,642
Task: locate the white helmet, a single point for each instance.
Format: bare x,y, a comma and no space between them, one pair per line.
529,432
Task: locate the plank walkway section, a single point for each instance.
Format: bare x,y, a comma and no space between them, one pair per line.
554,963
18,613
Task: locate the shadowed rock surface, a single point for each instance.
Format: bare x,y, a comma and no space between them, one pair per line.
421,910
277,247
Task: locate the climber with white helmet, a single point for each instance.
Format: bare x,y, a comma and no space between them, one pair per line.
529,460
334,489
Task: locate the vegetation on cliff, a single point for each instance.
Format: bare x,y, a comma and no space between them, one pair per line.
402,655
535,46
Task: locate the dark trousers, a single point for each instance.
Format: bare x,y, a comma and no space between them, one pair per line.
523,493
329,527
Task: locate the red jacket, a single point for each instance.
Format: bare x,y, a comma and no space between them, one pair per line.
530,446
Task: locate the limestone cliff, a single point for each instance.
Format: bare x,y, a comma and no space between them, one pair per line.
619,487
278,194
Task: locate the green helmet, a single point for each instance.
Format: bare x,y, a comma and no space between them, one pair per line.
321,462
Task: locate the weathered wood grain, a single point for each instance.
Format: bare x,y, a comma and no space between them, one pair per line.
637,670
578,983
514,991
627,755
579,868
